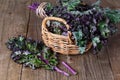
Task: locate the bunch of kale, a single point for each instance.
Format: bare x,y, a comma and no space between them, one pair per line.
88,23
31,53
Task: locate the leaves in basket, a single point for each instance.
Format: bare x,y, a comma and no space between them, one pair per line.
104,29
80,41
56,27
92,21
70,4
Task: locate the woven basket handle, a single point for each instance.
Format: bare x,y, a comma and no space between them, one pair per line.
60,20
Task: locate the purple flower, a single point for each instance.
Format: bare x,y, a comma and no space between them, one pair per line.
34,6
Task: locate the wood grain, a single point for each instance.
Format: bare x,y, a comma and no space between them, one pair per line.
17,19
13,22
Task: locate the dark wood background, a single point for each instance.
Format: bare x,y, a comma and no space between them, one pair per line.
17,19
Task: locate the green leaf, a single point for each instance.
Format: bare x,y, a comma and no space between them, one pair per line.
56,28
104,29
95,41
48,67
31,59
97,3
82,49
21,38
99,46
48,7
53,61
80,41
70,4
113,15
78,36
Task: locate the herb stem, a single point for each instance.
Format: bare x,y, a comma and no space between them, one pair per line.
60,71
69,68
45,61
56,68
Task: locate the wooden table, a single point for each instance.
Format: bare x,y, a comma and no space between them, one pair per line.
17,19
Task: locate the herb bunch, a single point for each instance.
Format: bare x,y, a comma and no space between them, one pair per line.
31,53
88,23
35,54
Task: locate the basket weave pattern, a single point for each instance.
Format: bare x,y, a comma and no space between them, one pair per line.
40,12
59,43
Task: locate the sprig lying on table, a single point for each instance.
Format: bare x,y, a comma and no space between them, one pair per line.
33,54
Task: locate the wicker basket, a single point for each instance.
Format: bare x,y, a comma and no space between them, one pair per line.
59,43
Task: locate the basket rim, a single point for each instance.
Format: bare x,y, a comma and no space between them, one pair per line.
60,20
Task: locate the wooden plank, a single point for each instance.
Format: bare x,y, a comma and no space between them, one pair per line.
34,33
114,44
4,55
89,66
114,54
13,22
95,67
